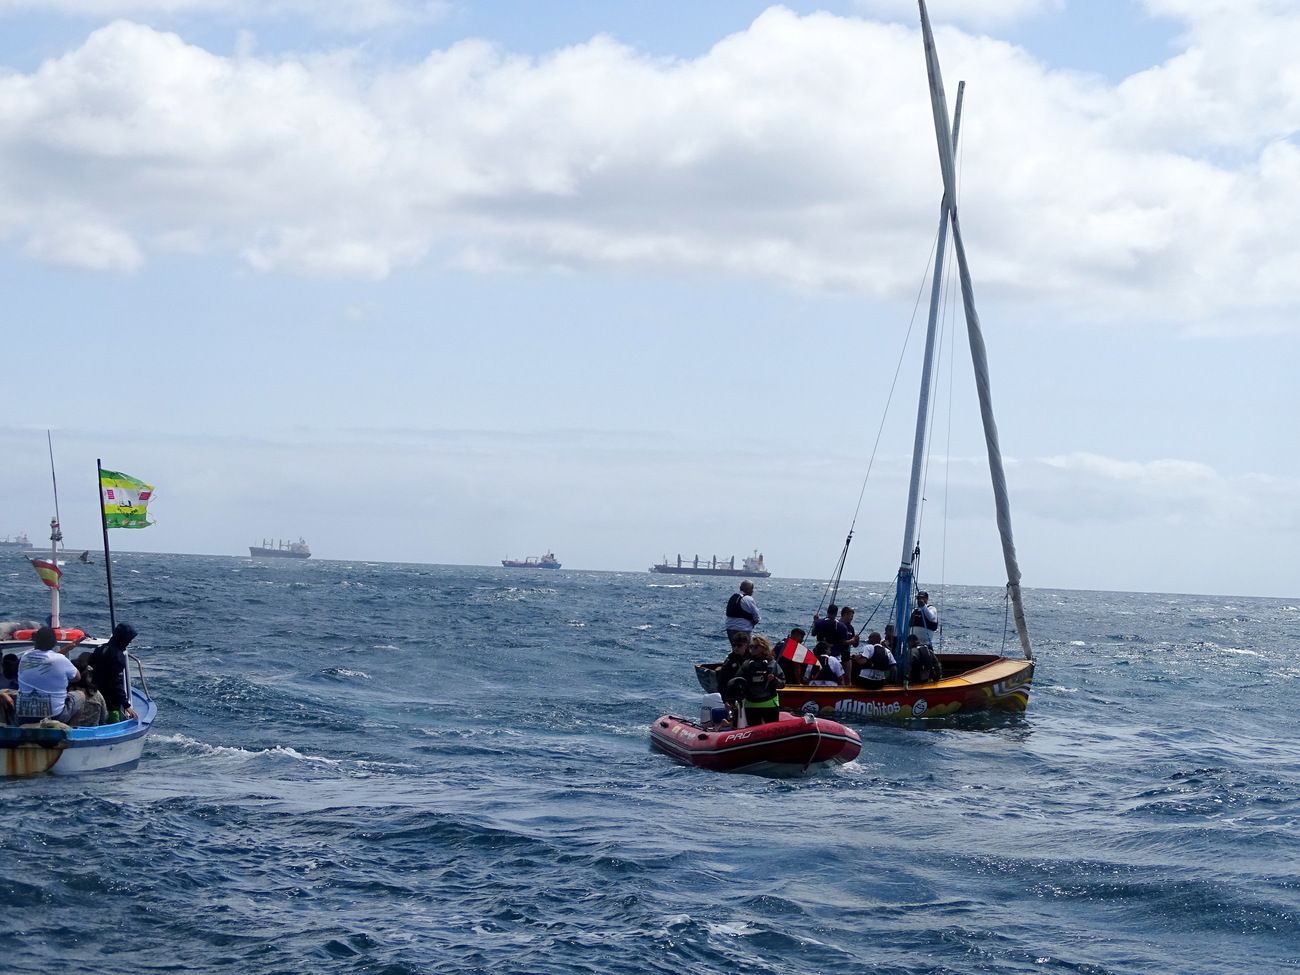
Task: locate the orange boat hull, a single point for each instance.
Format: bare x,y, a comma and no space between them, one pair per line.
978,683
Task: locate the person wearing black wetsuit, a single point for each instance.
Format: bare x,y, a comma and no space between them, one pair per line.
108,663
757,683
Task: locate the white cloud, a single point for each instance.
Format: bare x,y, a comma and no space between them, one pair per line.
1085,487
87,246
348,15
976,12
798,150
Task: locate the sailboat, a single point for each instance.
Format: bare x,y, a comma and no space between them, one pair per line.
970,681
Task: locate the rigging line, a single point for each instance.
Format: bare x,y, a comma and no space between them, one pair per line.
947,463
878,605
875,447
950,336
898,368
945,313
835,580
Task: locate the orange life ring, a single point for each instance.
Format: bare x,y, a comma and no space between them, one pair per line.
63,636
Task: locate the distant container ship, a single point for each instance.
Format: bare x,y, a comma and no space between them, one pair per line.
280,550
546,561
752,567
19,543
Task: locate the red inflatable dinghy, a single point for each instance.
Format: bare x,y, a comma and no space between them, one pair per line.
789,746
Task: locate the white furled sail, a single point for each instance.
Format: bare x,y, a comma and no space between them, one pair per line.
979,356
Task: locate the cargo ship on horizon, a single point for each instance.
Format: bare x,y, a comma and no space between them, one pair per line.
752,567
17,543
546,561
280,550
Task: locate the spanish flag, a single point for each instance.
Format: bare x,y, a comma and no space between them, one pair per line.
48,571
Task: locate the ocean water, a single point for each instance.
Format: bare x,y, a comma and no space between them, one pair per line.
406,769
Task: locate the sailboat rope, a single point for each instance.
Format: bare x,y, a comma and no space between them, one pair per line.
833,586
863,625
944,346
947,316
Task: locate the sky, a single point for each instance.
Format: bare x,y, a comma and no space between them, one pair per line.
454,282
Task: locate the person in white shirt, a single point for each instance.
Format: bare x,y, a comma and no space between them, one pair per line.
925,619
828,672
742,612
45,673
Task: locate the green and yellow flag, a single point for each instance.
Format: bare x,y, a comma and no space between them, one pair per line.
125,500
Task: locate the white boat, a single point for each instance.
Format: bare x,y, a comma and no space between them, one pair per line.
56,748
60,750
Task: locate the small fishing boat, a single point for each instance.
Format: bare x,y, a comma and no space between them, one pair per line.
61,750
52,746
789,746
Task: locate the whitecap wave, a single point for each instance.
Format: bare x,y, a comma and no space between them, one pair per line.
234,751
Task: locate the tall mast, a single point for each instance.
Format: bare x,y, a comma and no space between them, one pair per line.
911,526
979,355
56,535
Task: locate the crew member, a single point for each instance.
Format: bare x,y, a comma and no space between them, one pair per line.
925,619
43,678
742,611
757,684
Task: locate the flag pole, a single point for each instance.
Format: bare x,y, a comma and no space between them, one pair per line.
108,561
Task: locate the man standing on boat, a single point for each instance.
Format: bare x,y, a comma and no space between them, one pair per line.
925,619
742,612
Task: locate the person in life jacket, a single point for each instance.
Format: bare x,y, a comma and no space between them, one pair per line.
875,664
925,619
824,628
742,611
730,668
926,668
826,672
757,683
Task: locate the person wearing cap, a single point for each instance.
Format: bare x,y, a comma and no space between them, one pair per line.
43,678
925,619
109,667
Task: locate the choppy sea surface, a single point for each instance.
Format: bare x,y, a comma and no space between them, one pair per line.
405,769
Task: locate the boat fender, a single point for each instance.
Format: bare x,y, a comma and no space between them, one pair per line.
63,636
